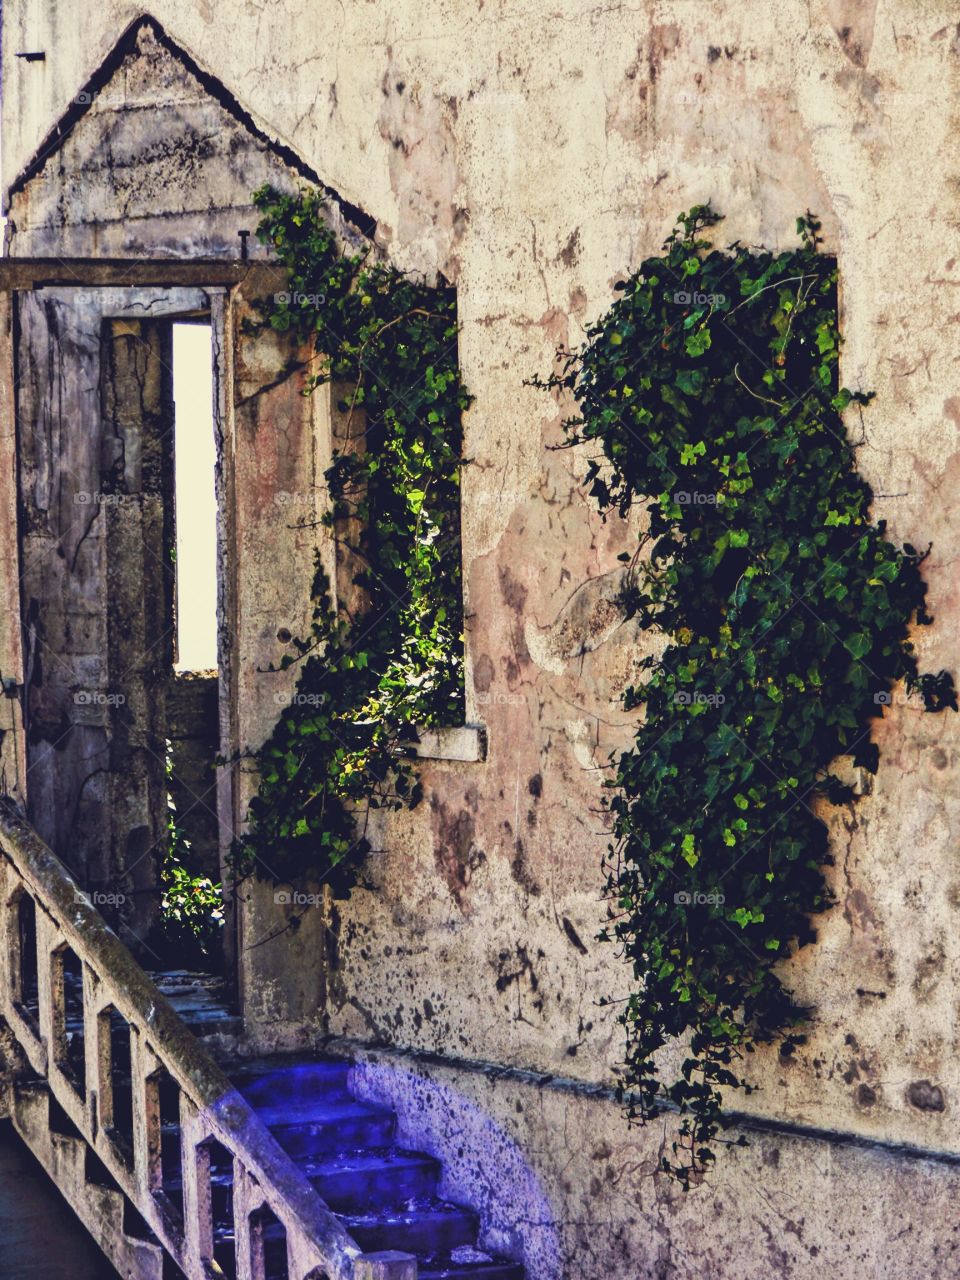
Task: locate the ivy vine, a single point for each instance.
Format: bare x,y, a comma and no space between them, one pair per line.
709,395
190,922
390,662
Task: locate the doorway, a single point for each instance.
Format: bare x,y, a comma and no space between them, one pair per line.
119,555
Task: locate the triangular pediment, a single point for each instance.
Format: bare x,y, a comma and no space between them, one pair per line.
155,156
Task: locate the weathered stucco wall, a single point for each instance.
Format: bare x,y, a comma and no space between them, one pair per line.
535,156
562,1185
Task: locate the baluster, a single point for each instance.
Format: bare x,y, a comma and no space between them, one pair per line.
11,987
52,1012
91,1050
101,1054
146,1116
247,1223
197,1206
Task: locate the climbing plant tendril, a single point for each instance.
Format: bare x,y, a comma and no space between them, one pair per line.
369,676
709,395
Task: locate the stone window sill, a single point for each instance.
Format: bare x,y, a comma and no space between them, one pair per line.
466,743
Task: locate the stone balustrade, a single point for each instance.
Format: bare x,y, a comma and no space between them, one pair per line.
67,1029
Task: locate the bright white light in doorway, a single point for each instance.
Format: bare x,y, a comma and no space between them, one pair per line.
196,502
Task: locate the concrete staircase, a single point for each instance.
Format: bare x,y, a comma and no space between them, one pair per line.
182,1157
385,1195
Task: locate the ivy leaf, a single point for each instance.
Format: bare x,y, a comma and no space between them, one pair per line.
859,644
691,381
690,452
698,342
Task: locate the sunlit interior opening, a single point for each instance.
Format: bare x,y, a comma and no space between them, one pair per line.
196,501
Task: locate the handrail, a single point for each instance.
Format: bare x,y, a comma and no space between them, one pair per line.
211,1108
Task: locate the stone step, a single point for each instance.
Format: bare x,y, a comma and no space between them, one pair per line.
275,1265
452,1270
424,1225
359,1183
329,1127
211,1022
435,1231
202,1003
433,1227
351,1182
292,1083
188,982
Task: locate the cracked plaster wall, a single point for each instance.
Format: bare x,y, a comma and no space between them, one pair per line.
561,1184
534,156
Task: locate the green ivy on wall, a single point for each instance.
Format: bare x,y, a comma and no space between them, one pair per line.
188,931
709,394
370,677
